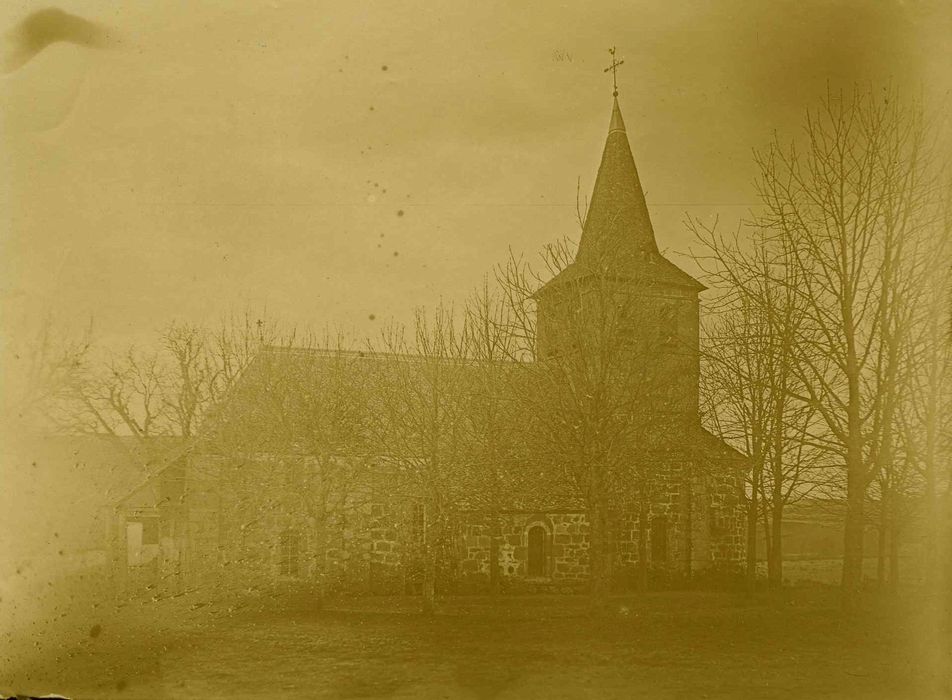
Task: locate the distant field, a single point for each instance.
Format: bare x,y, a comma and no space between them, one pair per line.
661,645
829,570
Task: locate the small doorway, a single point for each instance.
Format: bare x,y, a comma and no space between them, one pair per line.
536,563
142,540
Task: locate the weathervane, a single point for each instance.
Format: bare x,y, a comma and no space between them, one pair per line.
614,69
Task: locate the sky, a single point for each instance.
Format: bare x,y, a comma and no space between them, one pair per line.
337,164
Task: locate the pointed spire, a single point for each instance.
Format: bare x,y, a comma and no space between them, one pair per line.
617,228
617,123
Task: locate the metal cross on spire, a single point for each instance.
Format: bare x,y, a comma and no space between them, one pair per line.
614,69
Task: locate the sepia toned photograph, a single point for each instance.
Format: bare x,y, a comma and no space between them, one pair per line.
475,350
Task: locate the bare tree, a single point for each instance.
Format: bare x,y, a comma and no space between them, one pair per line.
292,439
847,202
121,397
40,371
926,432
598,396
749,383
491,423
163,390
419,424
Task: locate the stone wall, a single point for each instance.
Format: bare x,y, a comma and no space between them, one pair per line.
567,546
564,552
237,516
569,560
230,531
727,520
700,517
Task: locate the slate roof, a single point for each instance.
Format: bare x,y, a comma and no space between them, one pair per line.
288,397
618,238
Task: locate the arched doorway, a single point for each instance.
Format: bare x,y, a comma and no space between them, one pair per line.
536,556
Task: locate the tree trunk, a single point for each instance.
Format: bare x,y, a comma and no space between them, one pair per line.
853,549
856,479
775,553
494,555
881,543
752,513
429,585
932,554
599,565
856,484
688,540
643,526
931,558
429,561
894,552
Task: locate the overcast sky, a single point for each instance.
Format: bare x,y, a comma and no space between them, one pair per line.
240,154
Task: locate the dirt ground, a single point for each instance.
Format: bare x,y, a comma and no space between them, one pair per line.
660,645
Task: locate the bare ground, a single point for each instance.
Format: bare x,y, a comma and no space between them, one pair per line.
661,645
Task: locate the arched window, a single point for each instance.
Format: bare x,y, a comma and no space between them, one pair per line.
536,555
289,553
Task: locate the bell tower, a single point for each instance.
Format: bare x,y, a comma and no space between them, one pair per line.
621,286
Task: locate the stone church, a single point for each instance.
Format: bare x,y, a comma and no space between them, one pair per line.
301,507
